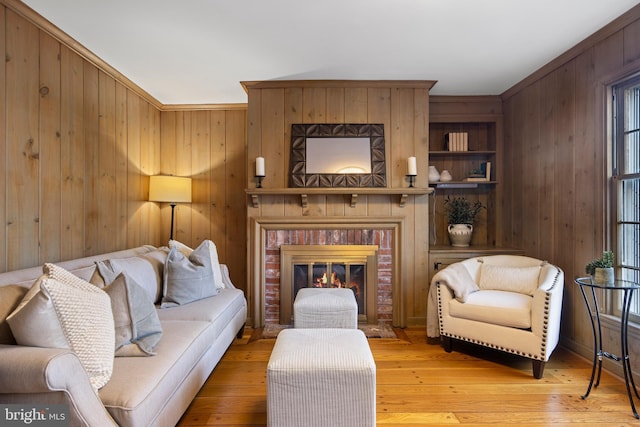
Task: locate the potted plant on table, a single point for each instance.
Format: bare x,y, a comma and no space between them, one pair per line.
461,213
601,270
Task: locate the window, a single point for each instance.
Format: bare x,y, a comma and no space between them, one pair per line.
626,176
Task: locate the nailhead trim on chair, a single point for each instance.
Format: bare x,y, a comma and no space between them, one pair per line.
508,350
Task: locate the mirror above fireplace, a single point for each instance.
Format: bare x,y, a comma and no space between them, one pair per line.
337,155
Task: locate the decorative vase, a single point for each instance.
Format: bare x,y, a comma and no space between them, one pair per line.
460,234
434,175
445,176
604,275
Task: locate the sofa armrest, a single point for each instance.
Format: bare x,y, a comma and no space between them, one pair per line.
546,309
439,295
28,373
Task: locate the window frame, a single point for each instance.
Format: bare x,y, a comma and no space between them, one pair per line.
618,179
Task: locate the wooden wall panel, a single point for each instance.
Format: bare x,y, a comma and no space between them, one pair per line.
234,235
49,136
3,146
402,108
209,146
79,147
22,142
72,155
201,175
76,151
555,132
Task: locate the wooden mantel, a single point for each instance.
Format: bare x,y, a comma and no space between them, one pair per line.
255,193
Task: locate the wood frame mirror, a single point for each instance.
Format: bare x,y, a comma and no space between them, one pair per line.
300,175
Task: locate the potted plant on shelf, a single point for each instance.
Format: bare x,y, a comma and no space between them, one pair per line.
601,270
461,213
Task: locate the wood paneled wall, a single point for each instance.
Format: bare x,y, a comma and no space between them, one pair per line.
403,108
209,146
556,155
75,149
78,144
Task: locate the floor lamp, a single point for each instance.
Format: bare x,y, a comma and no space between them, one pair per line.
171,189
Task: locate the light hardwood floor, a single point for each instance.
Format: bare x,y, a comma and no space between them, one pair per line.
420,384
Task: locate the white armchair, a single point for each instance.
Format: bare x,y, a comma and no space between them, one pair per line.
506,302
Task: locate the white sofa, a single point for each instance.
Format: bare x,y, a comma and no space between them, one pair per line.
506,302
142,391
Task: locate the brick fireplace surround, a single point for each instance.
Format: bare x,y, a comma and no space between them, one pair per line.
381,237
268,233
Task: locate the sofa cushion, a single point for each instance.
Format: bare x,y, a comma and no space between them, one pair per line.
213,252
137,326
147,270
187,279
142,385
524,280
10,297
503,308
63,311
219,310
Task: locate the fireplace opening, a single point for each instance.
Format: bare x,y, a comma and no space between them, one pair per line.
333,275
329,266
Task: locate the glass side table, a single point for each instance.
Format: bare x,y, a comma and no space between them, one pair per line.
627,288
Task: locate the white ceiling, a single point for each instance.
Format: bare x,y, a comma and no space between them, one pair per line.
197,51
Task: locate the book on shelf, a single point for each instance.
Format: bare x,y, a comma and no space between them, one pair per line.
484,176
457,141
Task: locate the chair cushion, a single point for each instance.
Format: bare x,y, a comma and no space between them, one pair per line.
502,308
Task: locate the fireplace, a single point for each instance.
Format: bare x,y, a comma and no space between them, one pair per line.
268,234
330,266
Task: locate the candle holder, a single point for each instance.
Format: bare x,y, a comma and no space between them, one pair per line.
411,179
260,178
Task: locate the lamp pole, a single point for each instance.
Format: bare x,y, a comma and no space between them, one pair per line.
173,206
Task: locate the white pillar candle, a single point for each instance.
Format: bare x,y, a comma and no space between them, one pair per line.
260,166
412,167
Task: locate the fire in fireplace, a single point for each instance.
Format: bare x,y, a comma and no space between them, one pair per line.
333,275
329,266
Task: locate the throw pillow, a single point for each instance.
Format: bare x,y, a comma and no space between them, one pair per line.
523,280
10,297
213,252
147,272
137,326
187,279
63,311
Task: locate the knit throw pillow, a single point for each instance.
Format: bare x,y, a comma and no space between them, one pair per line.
63,311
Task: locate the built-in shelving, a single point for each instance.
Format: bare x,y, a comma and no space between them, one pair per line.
403,193
483,144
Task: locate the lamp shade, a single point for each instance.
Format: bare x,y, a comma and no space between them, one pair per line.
166,188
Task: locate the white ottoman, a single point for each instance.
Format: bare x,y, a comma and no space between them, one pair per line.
325,308
320,378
